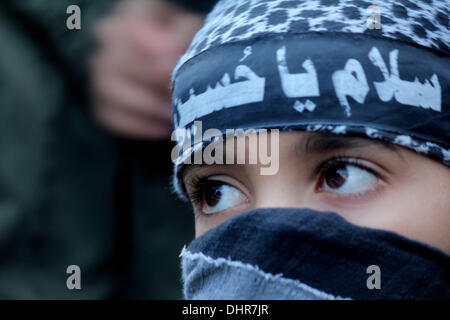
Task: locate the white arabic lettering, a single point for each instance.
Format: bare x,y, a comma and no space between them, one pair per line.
414,93
308,105
351,82
297,84
224,95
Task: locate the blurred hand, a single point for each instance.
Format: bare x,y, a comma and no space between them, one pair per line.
139,45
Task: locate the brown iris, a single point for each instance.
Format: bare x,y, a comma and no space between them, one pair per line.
336,176
212,192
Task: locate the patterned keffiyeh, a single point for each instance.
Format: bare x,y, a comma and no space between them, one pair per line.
379,69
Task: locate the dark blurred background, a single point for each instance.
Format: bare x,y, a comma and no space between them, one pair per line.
77,185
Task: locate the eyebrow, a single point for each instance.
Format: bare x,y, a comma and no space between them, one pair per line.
319,143
327,142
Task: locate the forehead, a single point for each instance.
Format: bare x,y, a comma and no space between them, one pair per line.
323,142
314,142
301,144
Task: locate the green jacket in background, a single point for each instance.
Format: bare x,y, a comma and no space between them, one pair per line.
70,194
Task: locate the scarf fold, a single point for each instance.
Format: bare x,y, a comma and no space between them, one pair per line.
305,254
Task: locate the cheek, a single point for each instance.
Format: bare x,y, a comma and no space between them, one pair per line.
433,215
204,223
426,209
418,211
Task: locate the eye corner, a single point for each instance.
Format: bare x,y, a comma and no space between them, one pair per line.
232,194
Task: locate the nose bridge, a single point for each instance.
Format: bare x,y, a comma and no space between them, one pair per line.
275,191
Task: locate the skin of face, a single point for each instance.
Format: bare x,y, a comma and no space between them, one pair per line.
368,182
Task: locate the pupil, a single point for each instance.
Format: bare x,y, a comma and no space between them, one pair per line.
337,176
213,193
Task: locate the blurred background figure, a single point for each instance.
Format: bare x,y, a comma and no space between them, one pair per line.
139,46
85,169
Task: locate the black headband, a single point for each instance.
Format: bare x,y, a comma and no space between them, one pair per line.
338,82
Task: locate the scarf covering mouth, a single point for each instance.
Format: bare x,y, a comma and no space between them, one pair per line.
317,66
271,254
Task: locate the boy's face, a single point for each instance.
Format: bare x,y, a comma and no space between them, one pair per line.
367,182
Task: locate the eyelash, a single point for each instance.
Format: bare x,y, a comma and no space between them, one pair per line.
341,159
344,160
197,184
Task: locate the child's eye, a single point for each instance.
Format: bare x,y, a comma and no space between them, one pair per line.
345,178
216,196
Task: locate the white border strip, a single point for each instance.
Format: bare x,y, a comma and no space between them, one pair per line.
186,254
